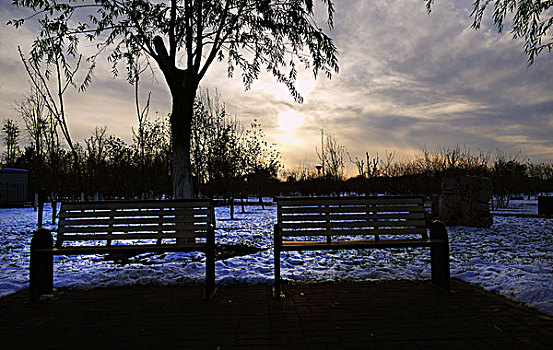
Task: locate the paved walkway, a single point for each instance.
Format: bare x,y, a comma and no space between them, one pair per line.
368,315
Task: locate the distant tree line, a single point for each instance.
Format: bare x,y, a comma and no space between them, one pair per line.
420,174
227,158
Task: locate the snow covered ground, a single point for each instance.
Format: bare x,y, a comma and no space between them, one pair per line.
514,258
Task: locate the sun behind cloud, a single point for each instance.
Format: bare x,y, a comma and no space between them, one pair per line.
288,122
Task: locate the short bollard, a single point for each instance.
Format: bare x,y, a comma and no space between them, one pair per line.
439,256
41,277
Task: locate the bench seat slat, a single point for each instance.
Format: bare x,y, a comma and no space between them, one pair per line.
354,232
323,245
352,216
356,224
137,249
130,236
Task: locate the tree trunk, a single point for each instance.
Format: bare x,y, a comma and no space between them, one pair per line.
183,84
181,127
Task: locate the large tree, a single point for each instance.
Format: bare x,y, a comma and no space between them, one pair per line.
184,38
530,20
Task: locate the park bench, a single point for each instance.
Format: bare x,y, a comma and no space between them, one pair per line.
125,228
359,223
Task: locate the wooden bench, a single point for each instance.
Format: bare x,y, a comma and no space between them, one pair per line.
359,223
125,227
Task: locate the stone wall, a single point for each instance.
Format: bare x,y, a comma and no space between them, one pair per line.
465,201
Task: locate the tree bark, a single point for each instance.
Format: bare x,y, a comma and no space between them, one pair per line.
181,124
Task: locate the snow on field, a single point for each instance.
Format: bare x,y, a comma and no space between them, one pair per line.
514,258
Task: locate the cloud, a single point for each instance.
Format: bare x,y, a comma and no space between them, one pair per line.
407,80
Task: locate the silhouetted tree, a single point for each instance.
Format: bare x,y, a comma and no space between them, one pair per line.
49,57
142,115
33,112
11,137
257,152
509,177
332,157
95,146
261,160
250,34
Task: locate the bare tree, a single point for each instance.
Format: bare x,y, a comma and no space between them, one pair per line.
34,114
95,147
11,137
54,99
332,156
366,167
360,165
142,115
388,162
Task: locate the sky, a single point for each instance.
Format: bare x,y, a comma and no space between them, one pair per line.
408,81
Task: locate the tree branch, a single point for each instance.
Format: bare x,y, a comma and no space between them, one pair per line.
189,38
172,24
150,50
218,42
199,39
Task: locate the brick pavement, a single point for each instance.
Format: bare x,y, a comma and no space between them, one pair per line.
353,315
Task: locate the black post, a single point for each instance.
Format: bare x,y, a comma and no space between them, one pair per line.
278,240
210,259
40,208
54,209
41,276
439,256
261,199
545,205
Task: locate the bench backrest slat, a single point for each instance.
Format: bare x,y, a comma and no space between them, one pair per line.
361,232
84,213
98,237
379,200
131,204
335,225
141,220
131,220
334,216
134,228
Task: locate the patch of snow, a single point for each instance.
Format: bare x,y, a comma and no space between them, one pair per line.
514,258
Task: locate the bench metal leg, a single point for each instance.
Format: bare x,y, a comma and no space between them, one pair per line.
41,276
210,266
278,240
439,256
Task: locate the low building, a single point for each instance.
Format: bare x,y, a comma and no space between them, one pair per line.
14,187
